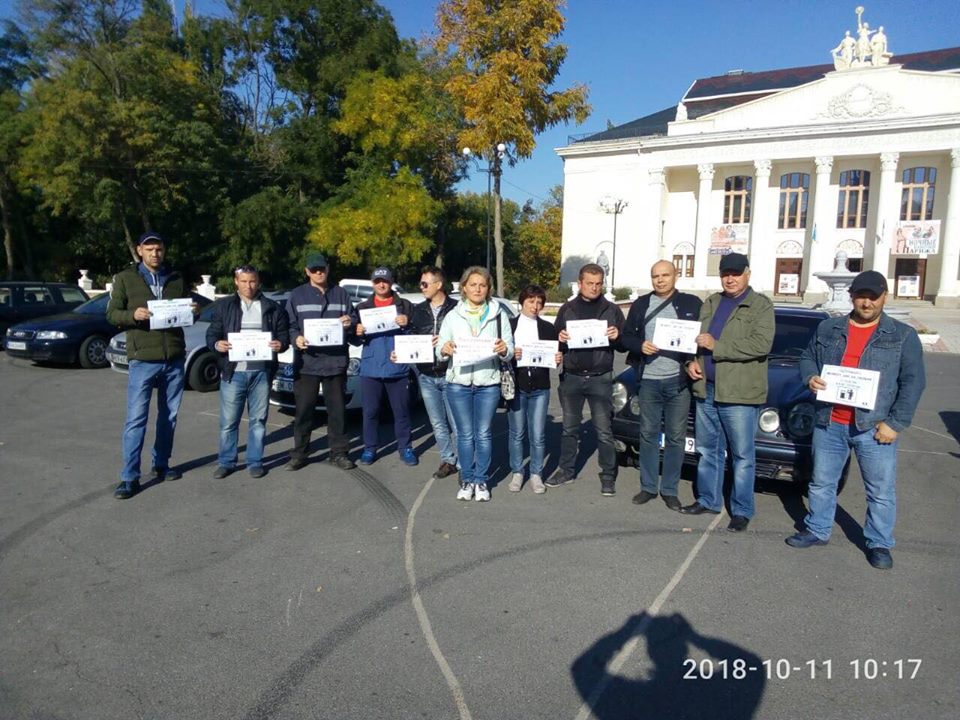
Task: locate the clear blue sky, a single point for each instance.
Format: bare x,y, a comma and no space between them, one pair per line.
639,56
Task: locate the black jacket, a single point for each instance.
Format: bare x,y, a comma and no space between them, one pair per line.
308,303
422,322
685,305
528,378
227,318
594,361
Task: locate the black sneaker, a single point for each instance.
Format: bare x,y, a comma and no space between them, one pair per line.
672,502
126,490
221,472
343,462
738,523
880,558
643,497
560,477
161,474
608,488
257,471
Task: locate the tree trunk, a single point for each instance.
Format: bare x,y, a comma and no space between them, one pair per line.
7,228
129,239
497,234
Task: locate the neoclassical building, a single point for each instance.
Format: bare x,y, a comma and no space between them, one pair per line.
789,166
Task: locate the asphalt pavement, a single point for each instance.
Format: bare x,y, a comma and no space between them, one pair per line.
375,594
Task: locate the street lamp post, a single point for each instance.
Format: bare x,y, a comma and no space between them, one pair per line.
494,171
613,206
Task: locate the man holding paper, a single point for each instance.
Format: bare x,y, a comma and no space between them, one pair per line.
156,358
245,377
662,384
868,422
588,328
320,360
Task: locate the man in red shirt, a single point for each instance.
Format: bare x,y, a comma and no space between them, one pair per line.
868,423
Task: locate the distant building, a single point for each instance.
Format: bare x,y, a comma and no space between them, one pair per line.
790,166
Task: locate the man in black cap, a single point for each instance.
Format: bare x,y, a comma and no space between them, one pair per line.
730,384
866,339
317,366
156,360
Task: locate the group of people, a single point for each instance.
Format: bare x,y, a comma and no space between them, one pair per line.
727,376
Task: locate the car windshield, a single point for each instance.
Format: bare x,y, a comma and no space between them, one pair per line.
793,334
97,306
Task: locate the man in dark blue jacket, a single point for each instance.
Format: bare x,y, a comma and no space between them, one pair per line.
317,366
866,339
662,383
245,382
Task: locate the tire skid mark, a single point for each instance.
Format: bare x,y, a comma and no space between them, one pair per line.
381,493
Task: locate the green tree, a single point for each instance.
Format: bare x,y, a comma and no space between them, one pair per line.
534,256
503,58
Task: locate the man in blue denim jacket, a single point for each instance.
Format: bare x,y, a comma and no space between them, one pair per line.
870,340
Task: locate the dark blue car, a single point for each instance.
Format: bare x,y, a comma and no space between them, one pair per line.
786,421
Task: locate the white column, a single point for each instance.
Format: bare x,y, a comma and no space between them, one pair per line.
650,239
948,291
703,224
888,210
824,223
762,249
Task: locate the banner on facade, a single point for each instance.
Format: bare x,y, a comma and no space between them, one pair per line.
725,239
916,237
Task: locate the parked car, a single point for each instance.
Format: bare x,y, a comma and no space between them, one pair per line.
79,336
27,300
362,289
202,371
786,420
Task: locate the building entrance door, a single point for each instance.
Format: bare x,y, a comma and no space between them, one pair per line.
910,274
786,281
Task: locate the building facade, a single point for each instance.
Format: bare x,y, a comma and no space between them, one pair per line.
789,166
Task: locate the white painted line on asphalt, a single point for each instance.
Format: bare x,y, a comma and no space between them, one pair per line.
586,710
926,452
244,419
425,626
933,432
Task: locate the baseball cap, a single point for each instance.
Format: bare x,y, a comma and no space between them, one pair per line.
315,259
382,273
870,280
150,237
734,262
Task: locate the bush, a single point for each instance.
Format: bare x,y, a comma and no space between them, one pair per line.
558,293
622,293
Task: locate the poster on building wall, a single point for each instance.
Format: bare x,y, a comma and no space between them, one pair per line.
908,286
725,239
789,284
915,237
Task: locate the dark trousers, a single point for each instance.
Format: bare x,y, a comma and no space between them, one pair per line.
305,389
398,393
664,400
573,390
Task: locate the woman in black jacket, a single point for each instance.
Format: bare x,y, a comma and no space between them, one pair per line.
527,412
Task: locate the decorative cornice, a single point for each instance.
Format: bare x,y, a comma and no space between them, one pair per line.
706,171
888,161
762,168
824,165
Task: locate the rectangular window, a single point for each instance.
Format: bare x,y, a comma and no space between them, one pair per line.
794,194
854,198
919,186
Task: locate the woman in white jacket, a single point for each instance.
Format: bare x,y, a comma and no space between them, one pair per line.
474,387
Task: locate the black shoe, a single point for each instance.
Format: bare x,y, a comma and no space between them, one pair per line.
608,488
445,470
221,472
672,502
158,475
880,558
126,490
643,497
697,509
804,539
294,464
343,462
257,471
738,523
560,477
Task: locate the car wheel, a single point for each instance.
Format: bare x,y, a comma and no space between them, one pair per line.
204,375
93,352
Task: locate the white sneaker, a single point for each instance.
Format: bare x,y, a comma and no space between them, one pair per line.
516,482
482,494
536,482
465,492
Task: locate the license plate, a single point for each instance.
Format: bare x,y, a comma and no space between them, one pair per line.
689,444
283,385
16,345
117,359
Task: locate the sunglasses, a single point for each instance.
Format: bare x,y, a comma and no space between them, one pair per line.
318,269
426,284
245,269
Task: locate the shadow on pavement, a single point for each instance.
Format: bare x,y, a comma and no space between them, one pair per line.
676,686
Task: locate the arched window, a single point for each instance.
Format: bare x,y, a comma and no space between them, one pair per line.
736,199
854,194
683,259
916,202
794,192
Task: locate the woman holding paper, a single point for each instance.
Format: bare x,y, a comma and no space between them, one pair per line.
536,351
476,336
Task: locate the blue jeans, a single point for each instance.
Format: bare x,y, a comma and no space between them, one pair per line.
527,414
473,409
878,465
436,401
245,388
720,425
665,401
167,378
